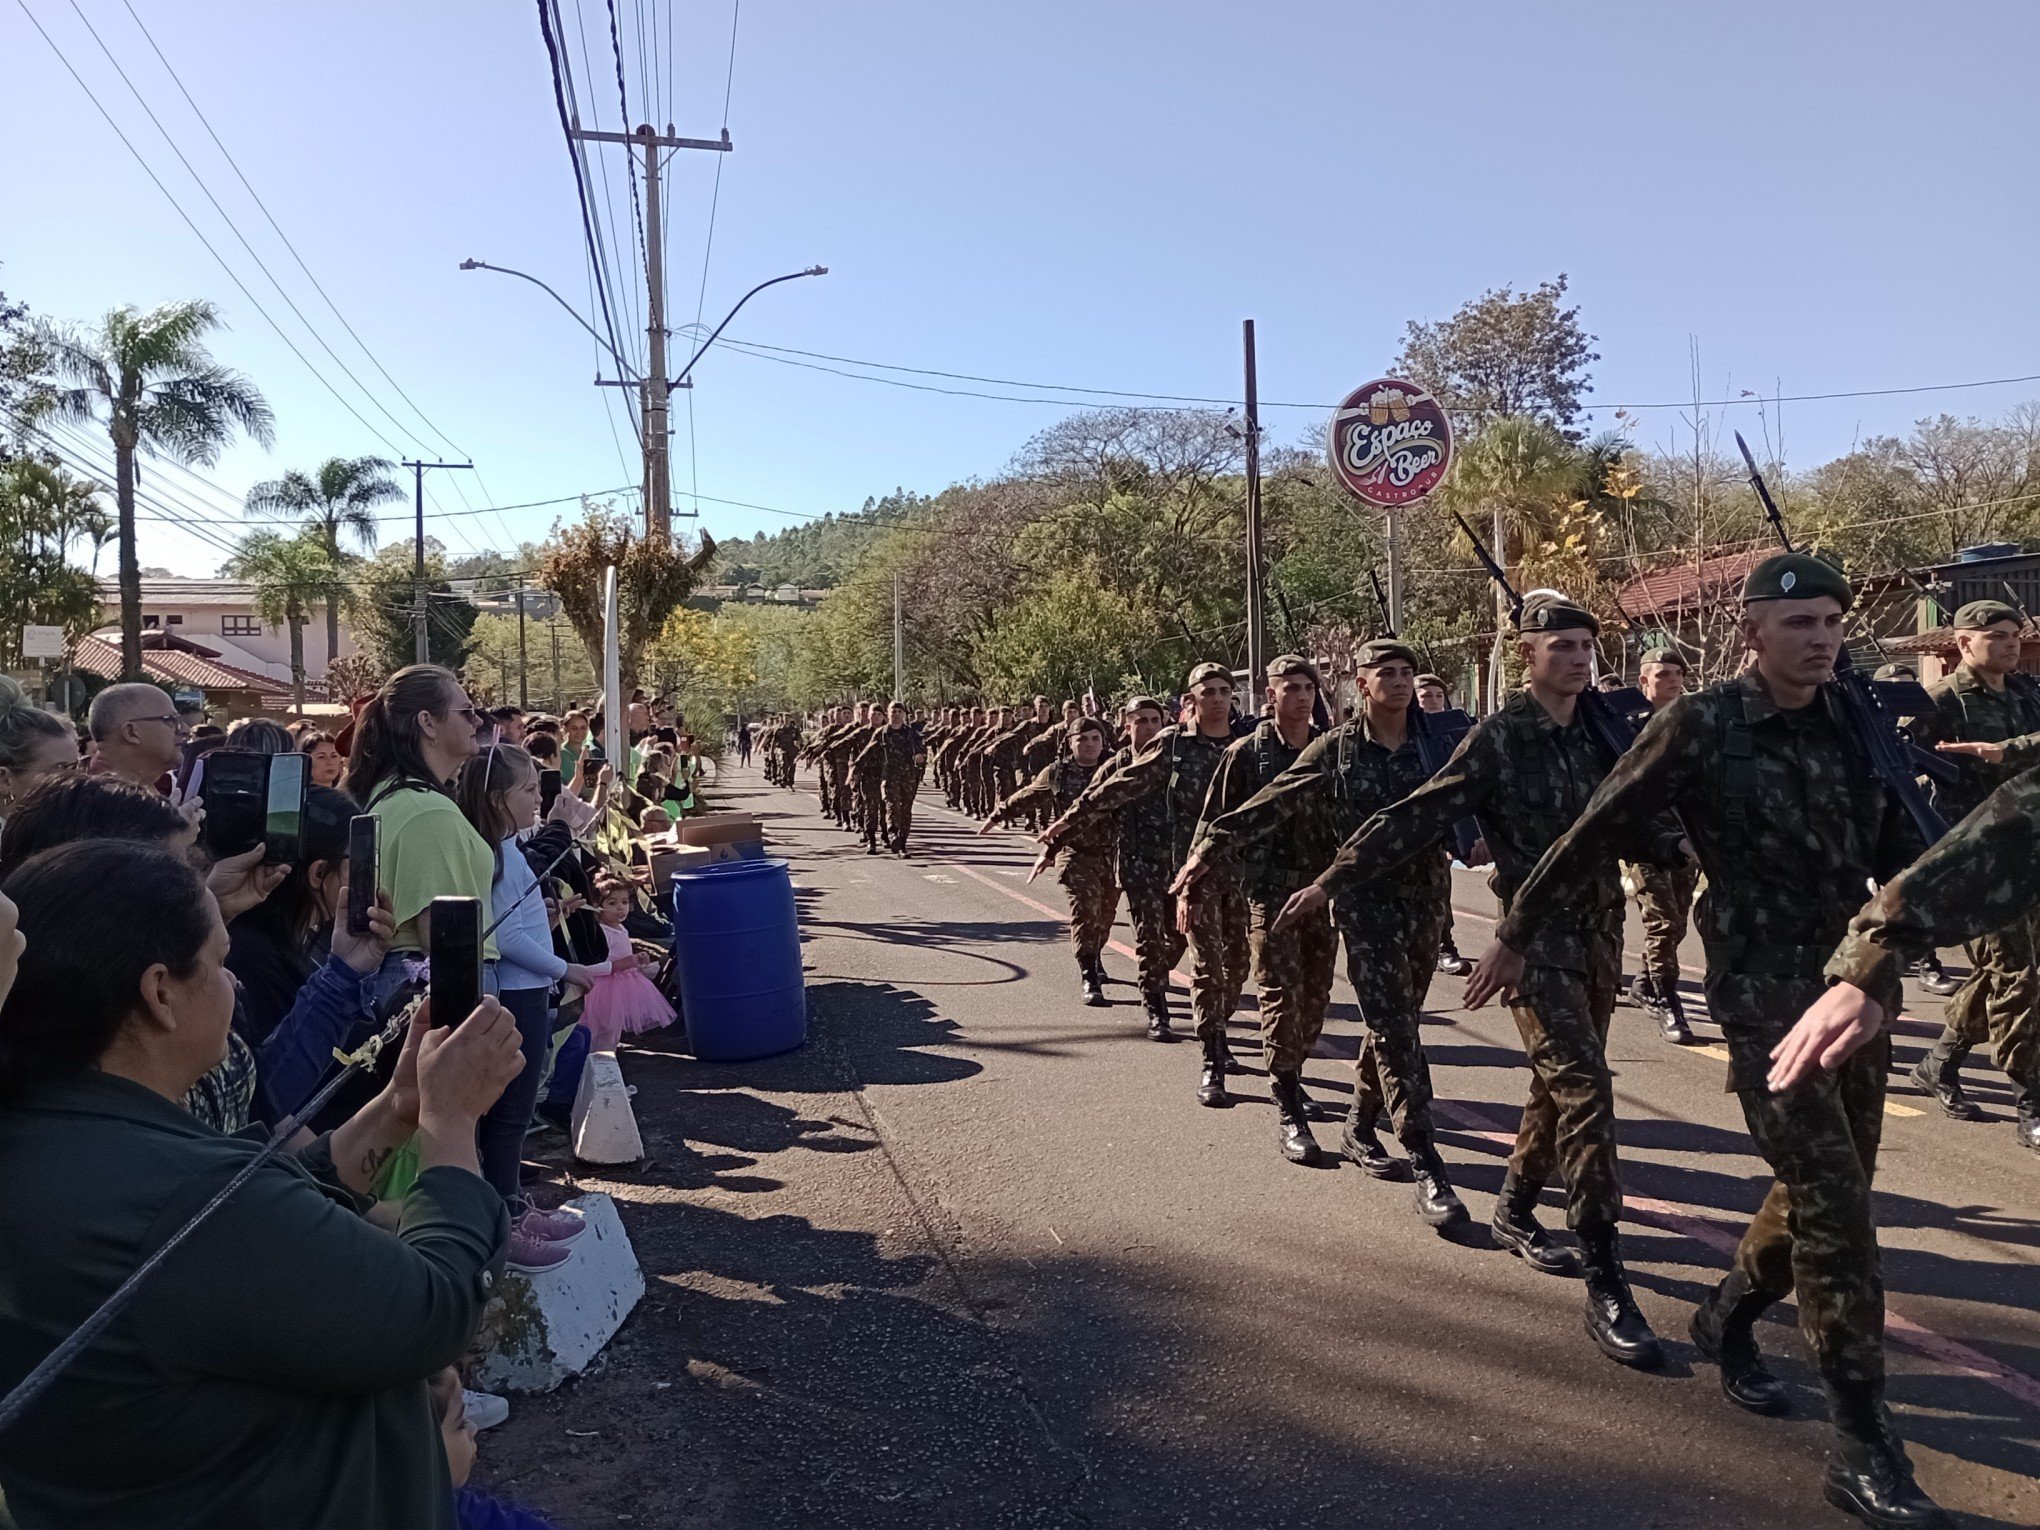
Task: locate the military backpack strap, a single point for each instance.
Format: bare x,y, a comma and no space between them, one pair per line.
1738,760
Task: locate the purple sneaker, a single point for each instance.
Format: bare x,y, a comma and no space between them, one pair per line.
532,1256
551,1226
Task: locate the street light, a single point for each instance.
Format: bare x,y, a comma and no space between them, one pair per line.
622,365
681,380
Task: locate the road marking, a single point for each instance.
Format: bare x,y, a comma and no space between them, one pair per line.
936,876
1903,1330
1893,1108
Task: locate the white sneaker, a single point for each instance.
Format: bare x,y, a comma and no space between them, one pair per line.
485,1410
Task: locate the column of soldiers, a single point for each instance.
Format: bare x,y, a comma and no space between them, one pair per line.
1258,847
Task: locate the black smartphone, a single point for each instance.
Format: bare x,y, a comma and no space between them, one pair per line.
283,818
548,790
236,798
595,756
364,869
456,959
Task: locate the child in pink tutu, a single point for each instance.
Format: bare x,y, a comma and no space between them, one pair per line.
623,1001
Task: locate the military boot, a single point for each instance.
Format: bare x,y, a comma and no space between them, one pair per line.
2029,1119
1658,1006
1868,1472
1364,1149
1436,1201
1939,1074
1930,975
1450,962
1614,1321
1677,1030
1292,1126
1516,1229
1315,1109
1094,981
1211,1076
1158,1028
1724,1331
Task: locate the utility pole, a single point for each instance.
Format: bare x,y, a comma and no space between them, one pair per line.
1257,640
523,681
552,625
899,646
657,482
423,654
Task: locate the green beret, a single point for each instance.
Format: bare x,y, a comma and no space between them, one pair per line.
1207,671
1895,672
1663,655
1135,703
1796,576
1385,650
1979,614
1288,664
1549,611
1427,678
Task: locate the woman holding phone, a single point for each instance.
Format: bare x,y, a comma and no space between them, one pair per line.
410,740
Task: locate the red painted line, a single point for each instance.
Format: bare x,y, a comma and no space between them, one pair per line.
1902,1330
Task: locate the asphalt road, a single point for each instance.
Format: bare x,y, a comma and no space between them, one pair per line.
974,1257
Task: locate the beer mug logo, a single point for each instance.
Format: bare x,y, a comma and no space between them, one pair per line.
1390,443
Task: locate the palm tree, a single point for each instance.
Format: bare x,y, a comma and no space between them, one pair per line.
1524,474
148,378
335,499
290,576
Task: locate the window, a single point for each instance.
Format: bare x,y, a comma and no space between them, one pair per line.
240,626
150,623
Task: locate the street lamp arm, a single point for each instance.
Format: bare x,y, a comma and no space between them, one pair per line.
483,265
789,277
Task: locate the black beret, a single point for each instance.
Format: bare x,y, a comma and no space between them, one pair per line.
1549,611
1796,576
1383,650
1136,703
1427,678
1207,671
1979,614
1663,655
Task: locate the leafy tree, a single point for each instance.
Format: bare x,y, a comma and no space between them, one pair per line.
1505,353
492,662
148,378
43,511
386,597
24,361
654,574
340,496
290,576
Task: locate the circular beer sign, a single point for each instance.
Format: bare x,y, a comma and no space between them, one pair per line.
1390,443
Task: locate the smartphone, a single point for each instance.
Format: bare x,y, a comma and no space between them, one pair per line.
548,790
283,819
456,959
595,757
236,798
364,869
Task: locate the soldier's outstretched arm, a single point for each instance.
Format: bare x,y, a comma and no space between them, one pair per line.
1146,772
1461,789
1040,789
1236,826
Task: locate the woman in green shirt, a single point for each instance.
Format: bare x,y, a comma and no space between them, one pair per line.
409,742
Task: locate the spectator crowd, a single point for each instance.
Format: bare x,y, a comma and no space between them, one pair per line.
164,1010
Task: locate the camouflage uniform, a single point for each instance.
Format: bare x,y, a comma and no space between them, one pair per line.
892,761
1177,766
2001,1000
1789,826
1292,968
1392,923
1664,900
1083,860
1041,751
1145,870
1526,778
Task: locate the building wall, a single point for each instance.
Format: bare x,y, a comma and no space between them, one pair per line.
206,612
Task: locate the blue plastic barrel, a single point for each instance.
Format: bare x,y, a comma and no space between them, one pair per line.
736,946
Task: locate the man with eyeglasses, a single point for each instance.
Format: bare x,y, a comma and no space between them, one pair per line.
136,733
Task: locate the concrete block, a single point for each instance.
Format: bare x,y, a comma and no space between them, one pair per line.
605,1127
544,1328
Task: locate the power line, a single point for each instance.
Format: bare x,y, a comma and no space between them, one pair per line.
708,246
613,267
623,116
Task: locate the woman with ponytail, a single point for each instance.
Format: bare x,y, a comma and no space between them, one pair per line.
34,745
409,742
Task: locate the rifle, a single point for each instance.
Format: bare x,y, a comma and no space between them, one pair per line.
1608,715
1895,760
1320,709
1436,735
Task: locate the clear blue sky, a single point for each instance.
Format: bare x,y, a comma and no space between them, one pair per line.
1825,196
